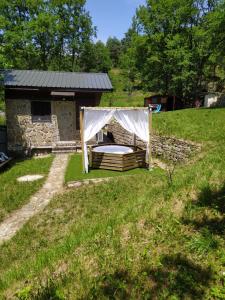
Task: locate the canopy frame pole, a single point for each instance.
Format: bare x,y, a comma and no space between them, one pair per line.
150,136
134,140
82,136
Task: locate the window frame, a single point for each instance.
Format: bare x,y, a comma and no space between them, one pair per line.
41,118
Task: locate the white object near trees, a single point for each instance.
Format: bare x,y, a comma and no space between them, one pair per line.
135,120
210,100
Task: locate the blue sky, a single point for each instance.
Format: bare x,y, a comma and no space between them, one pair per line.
112,17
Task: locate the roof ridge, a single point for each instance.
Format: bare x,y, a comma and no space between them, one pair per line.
57,79
50,71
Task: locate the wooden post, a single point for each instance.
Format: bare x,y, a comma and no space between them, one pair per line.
82,136
90,156
134,142
150,136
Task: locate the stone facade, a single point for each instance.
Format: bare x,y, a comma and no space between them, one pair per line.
24,134
169,148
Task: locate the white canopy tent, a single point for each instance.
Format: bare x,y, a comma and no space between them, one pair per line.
137,121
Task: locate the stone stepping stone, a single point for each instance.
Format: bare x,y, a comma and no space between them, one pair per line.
28,178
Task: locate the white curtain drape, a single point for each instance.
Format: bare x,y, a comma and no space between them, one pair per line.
94,121
135,121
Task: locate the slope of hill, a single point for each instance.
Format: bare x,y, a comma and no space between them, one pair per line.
157,236
120,95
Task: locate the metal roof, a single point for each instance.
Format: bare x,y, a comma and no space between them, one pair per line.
58,80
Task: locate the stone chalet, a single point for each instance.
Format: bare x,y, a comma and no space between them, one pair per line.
42,107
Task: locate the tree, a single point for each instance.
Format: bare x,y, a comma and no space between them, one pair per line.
115,48
215,24
171,46
96,58
45,34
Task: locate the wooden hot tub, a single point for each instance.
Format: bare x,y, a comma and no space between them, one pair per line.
117,157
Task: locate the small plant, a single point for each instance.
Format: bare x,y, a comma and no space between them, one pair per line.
170,174
218,292
24,294
203,242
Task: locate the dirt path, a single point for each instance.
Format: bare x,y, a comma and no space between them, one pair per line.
38,201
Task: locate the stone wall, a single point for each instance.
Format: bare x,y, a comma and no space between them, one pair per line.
166,147
22,133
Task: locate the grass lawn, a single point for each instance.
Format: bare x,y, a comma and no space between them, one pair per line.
13,193
136,237
120,97
200,125
123,99
74,171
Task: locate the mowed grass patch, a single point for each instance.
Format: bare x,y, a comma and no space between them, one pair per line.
13,193
130,237
123,99
73,224
120,96
74,171
137,237
199,125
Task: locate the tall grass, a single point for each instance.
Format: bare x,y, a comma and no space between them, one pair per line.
137,237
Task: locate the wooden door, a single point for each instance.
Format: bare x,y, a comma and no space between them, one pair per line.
66,120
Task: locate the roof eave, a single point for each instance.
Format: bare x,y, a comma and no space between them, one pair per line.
58,88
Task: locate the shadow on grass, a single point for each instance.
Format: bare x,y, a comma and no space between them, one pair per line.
12,163
212,216
212,199
177,277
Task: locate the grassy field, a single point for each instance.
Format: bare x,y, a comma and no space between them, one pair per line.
120,97
137,237
201,125
74,171
15,194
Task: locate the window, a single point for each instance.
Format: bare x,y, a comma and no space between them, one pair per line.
41,111
155,100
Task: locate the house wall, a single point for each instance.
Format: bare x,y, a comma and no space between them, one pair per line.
23,133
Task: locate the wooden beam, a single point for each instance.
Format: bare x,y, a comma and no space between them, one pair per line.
82,136
60,93
150,136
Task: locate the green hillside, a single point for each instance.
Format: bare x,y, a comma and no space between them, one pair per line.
121,96
150,236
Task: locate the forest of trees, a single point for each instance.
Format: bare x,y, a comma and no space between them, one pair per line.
172,46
